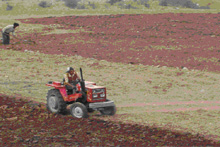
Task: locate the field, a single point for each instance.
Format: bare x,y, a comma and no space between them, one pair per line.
30,124
161,70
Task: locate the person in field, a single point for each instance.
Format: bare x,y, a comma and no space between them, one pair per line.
70,80
6,33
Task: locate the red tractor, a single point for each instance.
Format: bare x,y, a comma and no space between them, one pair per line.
88,98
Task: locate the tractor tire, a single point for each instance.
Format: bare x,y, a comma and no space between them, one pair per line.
78,110
55,102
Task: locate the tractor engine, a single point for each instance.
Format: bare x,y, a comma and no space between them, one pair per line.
95,93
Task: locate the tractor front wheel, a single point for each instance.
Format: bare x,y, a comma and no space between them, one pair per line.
55,102
78,110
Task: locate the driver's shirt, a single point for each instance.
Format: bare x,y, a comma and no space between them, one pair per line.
70,78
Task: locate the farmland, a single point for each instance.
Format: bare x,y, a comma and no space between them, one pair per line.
161,69
176,40
26,126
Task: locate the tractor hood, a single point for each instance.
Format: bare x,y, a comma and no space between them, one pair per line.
89,83
95,93
92,85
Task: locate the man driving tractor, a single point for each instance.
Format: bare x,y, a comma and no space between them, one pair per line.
70,80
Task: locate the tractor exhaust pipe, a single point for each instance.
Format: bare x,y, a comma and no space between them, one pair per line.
81,74
82,83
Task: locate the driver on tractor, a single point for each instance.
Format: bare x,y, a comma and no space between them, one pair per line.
70,80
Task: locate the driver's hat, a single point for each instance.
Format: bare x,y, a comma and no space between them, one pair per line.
69,69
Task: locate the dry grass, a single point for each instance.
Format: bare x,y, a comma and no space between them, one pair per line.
136,83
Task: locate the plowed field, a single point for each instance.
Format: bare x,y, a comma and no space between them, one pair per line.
178,40
26,123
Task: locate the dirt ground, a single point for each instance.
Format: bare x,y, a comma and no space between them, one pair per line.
28,123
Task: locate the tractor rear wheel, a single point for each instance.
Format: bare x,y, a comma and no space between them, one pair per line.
78,110
55,102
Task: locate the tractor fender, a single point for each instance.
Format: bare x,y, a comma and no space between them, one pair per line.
63,93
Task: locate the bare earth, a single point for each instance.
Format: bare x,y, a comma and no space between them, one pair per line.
28,123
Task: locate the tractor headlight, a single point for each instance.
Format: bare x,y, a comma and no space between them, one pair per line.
102,95
95,95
